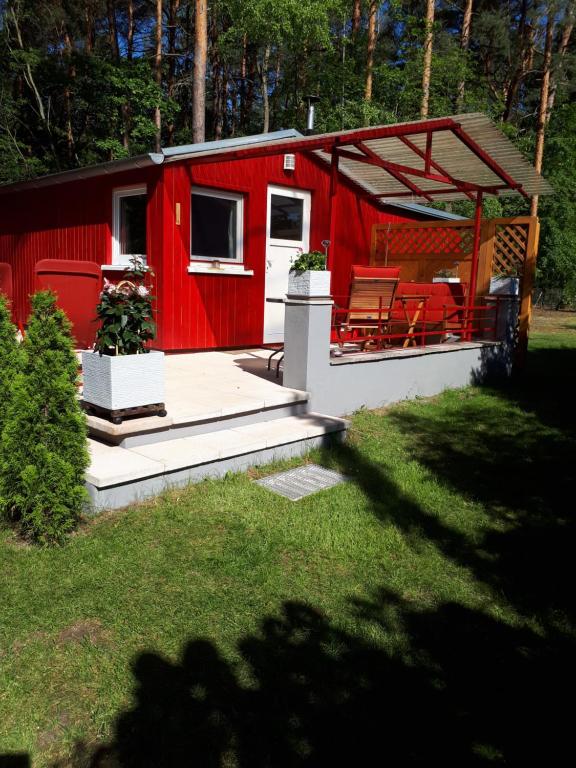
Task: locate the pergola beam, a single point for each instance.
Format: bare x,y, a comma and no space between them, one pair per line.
469,142
429,161
398,175
404,169
441,191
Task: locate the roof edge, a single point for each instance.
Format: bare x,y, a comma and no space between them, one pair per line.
88,172
424,210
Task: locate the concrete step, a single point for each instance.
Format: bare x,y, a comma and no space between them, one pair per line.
119,476
203,420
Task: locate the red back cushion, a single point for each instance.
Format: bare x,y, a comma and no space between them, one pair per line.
376,272
6,286
77,285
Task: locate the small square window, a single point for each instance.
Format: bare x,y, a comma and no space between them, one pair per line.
217,222
129,227
286,217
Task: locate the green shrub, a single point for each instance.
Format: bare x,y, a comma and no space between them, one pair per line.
43,453
10,358
313,260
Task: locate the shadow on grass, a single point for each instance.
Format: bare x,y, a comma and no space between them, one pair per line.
516,456
469,691
455,687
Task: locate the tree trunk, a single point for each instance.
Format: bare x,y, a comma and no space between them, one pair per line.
218,98
372,9
199,82
30,81
158,75
265,98
523,63
68,48
543,105
172,29
356,18
564,43
130,31
113,29
464,44
89,19
427,64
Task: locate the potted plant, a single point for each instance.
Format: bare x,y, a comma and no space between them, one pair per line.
505,283
122,376
308,275
446,276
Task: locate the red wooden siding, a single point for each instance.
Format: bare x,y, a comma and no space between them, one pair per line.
204,311
67,221
194,311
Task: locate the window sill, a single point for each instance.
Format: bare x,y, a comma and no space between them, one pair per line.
117,267
228,269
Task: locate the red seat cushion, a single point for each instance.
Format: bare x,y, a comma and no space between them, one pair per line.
440,295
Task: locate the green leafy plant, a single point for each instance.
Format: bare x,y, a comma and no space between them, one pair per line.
314,261
446,273
10,357
125,313
43,453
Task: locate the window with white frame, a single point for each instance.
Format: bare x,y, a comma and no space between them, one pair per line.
129,224
217,225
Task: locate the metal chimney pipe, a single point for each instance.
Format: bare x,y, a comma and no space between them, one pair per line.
311,100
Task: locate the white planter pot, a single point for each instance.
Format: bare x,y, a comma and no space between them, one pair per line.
445,279
127,381
309,283
505,286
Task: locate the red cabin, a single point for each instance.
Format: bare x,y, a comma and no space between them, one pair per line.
219,231
221,222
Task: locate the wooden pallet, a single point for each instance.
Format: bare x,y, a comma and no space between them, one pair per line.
117,415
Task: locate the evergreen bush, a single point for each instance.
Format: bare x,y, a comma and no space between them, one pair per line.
10,358
44,453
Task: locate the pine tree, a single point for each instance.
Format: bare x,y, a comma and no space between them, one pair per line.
43,453
10,358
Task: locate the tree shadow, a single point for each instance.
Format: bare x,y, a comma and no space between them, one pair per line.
467,690
21,760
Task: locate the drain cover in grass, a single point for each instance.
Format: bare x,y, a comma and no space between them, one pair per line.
303,481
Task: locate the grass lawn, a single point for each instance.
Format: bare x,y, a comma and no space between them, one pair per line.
421,614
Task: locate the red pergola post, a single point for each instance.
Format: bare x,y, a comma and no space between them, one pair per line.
474,266
332,212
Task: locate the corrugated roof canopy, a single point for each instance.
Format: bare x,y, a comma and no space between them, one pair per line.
453,154
448,158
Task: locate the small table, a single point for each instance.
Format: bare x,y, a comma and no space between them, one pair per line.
422,298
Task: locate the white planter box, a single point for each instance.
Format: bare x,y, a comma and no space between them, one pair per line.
505,286
445,279
127,381
309,283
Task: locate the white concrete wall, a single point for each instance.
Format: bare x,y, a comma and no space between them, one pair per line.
339,386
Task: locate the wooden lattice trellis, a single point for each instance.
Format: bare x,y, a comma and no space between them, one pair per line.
508,247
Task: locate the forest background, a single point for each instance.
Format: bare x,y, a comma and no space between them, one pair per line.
85,81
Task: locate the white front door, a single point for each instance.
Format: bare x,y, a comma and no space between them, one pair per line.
287,232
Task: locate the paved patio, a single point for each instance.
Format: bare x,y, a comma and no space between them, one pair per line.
204,386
